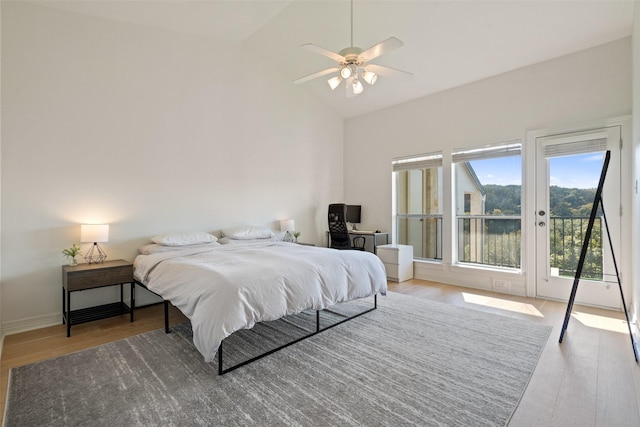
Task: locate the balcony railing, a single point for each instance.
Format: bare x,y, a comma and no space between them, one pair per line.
496,241
489,240
423,232
566,237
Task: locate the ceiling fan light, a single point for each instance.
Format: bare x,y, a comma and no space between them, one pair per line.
357,87
370,77
345,72
349,89
334,82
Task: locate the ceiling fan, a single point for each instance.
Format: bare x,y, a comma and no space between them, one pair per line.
353,64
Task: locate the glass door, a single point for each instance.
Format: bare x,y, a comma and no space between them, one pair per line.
568,171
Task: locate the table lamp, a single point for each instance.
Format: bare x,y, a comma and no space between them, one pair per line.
94,233
288,225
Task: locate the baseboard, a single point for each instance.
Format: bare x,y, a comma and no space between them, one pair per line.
37,322
505,282
635,333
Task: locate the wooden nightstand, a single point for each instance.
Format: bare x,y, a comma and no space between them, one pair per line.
91,276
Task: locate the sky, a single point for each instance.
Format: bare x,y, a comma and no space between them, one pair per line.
577,171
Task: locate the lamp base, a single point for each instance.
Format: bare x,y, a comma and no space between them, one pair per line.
288,237
95,255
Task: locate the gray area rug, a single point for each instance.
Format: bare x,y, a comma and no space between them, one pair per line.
410,362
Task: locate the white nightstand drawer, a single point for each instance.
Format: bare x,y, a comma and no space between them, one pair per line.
388,255
399,273
392,270
398,261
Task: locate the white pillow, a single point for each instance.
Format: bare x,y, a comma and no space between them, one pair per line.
247,232
230,241
154,248
182,239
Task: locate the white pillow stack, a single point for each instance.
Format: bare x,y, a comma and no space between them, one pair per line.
248,232
177,241
183,239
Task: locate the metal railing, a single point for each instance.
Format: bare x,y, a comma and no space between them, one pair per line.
496,241
423,232
566,237
490,240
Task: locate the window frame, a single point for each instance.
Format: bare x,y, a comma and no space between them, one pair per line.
419,162
492,151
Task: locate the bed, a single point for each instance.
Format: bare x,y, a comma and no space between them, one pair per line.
225,288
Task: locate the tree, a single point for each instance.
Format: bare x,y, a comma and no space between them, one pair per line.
570,209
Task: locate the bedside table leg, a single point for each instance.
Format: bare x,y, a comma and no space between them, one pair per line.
133,299
68,314
64,309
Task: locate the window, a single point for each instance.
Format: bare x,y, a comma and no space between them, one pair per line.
418,204
570,205
488,195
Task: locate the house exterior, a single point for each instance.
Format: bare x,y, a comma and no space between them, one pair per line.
471,197
420,197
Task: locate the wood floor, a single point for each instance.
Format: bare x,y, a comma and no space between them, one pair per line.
591,379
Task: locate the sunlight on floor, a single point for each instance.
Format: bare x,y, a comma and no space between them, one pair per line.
503,304
601,322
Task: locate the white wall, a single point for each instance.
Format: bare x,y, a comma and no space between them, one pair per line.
1,334
149,131
635,298
590,85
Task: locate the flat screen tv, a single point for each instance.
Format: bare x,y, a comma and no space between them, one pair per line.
353,214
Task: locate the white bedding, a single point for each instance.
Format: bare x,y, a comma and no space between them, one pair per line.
231,287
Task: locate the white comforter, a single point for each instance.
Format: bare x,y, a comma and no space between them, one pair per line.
227,288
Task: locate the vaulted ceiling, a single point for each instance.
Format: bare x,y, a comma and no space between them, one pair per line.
446,43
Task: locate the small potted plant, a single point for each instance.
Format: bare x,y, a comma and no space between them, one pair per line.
71,254
296,234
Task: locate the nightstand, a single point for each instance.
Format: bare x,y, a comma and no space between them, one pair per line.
398,261
91,276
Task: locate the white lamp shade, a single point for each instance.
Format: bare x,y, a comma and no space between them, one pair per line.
287,225
334,82
357,87
370,77
94,233
345,72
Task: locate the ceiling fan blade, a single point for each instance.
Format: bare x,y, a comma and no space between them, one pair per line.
381,48
317,49
316,75
386,71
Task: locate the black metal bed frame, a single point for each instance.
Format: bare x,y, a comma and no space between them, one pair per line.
222,371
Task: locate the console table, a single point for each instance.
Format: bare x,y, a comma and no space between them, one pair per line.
377,237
